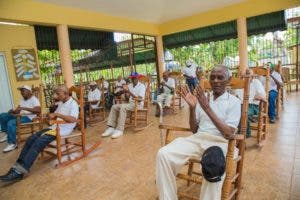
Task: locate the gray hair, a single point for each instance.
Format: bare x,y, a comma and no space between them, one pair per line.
225,68
62,88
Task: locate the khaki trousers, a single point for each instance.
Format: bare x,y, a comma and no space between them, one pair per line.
165,99
117,115
172,157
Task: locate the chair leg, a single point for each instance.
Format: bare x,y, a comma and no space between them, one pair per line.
59,154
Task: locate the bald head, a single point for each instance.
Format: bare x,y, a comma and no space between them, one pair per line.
218,79
223,69
166,75
62,93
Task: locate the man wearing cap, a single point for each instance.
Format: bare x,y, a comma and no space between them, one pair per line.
167,87
212,121
275,83
189,72
66,111
117,115
94,97
29,107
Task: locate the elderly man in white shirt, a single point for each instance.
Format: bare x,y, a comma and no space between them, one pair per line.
190,73
167,87
94,97
119,85
117,115
212,122
275,83
29,106
256,94
67,110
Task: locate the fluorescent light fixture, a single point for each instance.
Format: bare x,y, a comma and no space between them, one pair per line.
13,24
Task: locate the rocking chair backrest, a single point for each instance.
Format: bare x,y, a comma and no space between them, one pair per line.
38,92
146,80
178,77
235,83
265,72
79,91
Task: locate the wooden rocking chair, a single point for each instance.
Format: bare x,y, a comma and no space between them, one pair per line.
234,166
139,117
262,124
24,130
66,145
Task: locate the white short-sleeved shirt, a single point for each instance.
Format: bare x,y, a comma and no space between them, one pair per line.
138,90
256,88
119,84
94,95
69,108
227,107
170,83
272,84
29,103
106,85
190,71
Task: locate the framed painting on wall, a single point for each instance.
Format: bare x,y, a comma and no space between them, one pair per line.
25,64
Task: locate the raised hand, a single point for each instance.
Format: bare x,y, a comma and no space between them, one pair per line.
201,97
189,97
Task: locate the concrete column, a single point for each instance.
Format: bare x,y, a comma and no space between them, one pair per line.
65,54
160,57
242,38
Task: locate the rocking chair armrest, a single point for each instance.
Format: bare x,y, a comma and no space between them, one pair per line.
173,128
30,123
237,137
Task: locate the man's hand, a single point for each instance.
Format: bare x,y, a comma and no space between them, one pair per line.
201,97
163,83
189,97
52,116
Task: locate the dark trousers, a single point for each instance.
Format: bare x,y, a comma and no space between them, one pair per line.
8,124
272,104
192,83
33,146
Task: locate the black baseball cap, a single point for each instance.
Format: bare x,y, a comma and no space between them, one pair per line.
213,164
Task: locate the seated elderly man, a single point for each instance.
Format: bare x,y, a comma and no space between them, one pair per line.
117,115
166,90
256,94
94,97
212,122
275,83
29,107
67,110
119,86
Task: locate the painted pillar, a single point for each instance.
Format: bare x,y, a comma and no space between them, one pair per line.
242,38
160,57
65,54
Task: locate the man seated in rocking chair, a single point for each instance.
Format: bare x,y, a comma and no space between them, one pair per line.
118,112
68,111
167,87
212,123
29,107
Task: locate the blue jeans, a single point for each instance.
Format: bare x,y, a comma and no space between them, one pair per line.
9,125
192,83
272,104
252,110
33,146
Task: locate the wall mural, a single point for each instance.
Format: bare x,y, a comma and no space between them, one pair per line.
25,64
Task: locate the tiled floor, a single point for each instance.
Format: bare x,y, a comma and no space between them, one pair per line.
123,169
